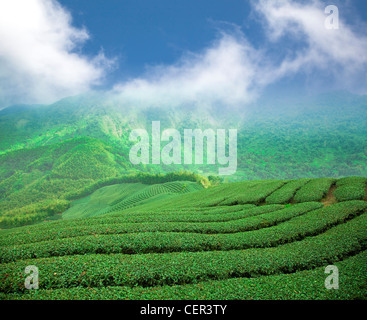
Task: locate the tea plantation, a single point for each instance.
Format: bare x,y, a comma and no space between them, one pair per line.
269,239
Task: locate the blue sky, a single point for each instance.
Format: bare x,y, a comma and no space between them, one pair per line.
149,32
155,32
179,51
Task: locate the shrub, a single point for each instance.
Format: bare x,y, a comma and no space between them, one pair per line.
314,190
147,270
350,191
286,193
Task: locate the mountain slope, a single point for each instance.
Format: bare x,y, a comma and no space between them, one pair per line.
322,137
39,183
50,154
34,182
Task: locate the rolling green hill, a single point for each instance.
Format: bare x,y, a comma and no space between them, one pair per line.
34,182
269,239
51,154
38,183
321,137
121,196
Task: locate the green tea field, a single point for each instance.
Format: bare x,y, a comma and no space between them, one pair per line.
269,239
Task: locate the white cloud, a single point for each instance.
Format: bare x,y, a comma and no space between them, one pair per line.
233,73
226,72
340,52
39,59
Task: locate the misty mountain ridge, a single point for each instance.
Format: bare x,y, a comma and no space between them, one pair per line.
319,131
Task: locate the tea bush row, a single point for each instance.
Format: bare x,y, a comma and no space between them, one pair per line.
308,224
315,190
286,193
149,270
307,284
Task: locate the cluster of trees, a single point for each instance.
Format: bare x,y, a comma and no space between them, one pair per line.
304,147
33,213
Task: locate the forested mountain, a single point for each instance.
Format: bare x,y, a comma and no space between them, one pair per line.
48,152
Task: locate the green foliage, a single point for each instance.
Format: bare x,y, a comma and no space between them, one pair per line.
351,188
108,224
99,270
173,237
165,236
244,192
314,190
139,177
274,143
350,181
122,196
191,240
307,284
33,213
196,223
285,193
254,193
33,177
298,222
78,145
68,170
303,142
86,161
215,180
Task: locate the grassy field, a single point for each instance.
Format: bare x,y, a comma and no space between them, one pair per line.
269,239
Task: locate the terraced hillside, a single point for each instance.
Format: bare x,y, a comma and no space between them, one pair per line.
268,239
121,196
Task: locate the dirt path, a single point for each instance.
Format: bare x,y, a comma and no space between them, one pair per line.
329,199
